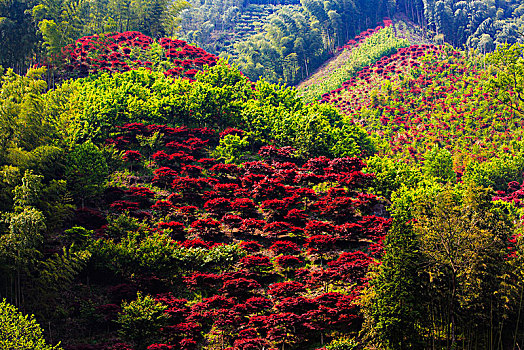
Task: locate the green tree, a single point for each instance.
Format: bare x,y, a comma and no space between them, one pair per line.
394,303
50,277
231,148
438,163
60,22
19,247
24,121
140,320
20,332
17,35
86,171
508,83
463,236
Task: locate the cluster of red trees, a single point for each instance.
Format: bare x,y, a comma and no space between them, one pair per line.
120,52
306,226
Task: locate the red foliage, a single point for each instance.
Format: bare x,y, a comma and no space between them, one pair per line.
251,246
320,243
244,206
280,229
225,169
232,131
239,287
288,262
177,228
315,227
161,347
195,243
284,247
162,206
218,206
111,53
131,156
256,263
203,281
207,228
285,289
251,225
164,176
297,217
350,267
232,221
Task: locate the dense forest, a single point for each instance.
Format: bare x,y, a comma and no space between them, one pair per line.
366,193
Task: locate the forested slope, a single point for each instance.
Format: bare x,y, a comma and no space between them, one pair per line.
155,197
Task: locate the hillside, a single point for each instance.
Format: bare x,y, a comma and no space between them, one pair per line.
155,224
428,96
363,50
154,197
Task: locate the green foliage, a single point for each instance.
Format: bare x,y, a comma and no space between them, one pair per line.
342,344
10,177
27,194
222,257
492,23
221,97
63,21
143,96
508,83
438,163
19,248
141,319
17,35
48,161
20,332
124,257
444,260
124,225
56,274
463,235
495,173
50,198
86,171
26,121
78,236
231,148
394,304
284,42
390,175
291,48
158,253
25,235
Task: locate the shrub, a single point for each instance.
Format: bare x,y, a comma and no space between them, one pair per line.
141,320
206,227
288,262
284,247
256,263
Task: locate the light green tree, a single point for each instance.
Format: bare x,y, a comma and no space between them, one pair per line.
507,84
86,171
438,163
20,332
141,319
